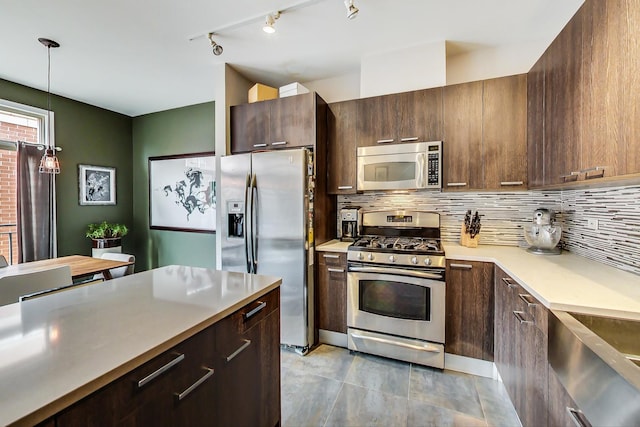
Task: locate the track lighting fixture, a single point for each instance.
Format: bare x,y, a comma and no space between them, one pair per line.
352,10
217,49
269,20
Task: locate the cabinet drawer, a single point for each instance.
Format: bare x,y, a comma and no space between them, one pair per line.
147,394
251,314
525,307
333,259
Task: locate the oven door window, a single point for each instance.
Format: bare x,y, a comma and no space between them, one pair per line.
395,299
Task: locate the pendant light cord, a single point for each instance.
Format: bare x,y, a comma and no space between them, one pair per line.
49,97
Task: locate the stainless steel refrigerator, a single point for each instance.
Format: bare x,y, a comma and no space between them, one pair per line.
267,204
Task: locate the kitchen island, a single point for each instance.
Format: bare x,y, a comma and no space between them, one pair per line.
63,354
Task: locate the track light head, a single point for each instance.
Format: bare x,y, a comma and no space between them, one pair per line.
269,20
217,49
352,10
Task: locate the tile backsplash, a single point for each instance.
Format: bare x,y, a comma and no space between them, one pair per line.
505,215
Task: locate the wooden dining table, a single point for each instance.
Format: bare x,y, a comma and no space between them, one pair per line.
80,266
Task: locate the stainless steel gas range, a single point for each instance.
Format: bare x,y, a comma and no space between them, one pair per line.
396,287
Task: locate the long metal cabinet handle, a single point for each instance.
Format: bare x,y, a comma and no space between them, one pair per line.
384,141
152,376
527,300
456,184
412,138
424,347
336,270
247,224
254,226
345,187
258,309
246,344
259,145
511,183
518,315
180,396
578,417
462,266
509,282
279,143
330,256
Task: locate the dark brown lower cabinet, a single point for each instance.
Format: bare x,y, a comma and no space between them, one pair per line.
332,291
521,349
560,403
469,310
227,374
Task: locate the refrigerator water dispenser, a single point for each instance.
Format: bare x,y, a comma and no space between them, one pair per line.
235,215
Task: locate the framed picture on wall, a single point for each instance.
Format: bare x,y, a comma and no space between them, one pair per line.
97,185
182,192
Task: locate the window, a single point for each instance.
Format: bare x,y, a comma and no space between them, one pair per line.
18,123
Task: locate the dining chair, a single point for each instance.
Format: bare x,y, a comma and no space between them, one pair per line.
59,289
3,261
17,285
120,271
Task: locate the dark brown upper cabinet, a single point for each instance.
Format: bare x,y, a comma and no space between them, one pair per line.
485,137
400,118
341,170
462,146
504,133
274,124
584,98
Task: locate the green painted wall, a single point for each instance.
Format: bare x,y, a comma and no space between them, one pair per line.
179,131
88,135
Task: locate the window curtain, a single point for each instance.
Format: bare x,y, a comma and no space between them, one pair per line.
36,207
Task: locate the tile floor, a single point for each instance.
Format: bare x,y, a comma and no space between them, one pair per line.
332,387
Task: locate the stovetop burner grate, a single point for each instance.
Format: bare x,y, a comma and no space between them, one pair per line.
398,243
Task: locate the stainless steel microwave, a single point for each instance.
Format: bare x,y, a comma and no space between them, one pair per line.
413,166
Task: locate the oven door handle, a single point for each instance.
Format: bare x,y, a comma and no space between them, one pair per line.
424,347
390,270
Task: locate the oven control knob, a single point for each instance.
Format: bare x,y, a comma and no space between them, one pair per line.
414,260
360,256
370,257
392,258
427,261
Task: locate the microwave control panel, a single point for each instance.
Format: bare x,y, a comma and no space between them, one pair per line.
433,165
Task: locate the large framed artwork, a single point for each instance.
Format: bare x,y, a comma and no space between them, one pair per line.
182,192
97,185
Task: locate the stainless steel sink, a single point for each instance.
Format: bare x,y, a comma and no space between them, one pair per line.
621,334
596,359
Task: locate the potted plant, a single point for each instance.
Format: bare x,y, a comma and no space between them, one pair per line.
106,237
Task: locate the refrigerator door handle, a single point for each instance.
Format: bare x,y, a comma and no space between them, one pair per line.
247,224
254,238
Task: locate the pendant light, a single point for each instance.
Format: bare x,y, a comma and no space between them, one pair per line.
49,162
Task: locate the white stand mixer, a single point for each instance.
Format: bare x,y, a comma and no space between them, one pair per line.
543,235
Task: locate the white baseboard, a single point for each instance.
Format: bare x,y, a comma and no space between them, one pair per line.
332,338
470,365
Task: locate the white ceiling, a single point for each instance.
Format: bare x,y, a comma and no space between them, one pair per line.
135,57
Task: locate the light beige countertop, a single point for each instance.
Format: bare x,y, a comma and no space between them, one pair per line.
562,282
56,349
333,246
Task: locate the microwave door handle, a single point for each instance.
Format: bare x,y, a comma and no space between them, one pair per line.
420,180
254,225
247,223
